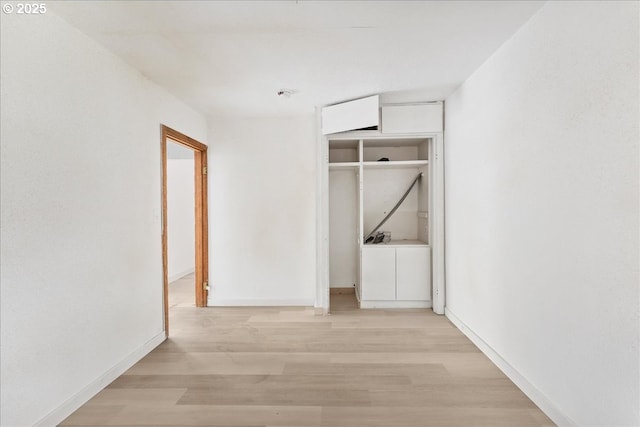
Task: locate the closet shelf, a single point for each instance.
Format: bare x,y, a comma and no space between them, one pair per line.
344,165
397,164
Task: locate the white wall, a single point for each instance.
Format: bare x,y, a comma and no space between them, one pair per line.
181,218
542,208
81,268
262,211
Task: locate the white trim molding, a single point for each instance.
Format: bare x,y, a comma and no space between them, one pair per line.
323,299
395,304
539,398
68,407
436,222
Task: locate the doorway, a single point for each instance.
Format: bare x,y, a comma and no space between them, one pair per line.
201,227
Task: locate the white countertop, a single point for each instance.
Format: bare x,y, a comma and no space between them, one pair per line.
396,243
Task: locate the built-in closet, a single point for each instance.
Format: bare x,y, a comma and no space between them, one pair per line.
368,172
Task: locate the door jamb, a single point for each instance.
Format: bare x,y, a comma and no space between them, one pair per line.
201,220
323,299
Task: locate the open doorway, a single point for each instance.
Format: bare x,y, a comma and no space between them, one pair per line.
180,154
181,236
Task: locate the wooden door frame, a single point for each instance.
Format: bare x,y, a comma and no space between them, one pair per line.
201,219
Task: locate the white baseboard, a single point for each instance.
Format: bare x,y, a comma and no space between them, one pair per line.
180,275
542,401
56,416
394,304
277,302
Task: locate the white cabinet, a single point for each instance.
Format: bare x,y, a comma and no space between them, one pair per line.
396,276
357,114
413,270
378,274
412,118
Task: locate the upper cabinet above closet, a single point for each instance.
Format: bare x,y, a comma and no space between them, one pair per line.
358,114
412,118
397,119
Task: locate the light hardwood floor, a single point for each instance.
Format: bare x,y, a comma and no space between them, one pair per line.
284,366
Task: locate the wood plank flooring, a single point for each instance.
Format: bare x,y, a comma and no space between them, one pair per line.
284,366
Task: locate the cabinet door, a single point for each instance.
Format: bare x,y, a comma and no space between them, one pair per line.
379,274
351,115
413,274
412,118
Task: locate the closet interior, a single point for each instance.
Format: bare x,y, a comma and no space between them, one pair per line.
369,172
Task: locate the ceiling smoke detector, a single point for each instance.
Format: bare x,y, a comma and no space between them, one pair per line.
286,93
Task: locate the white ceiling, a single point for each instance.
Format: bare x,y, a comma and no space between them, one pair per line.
231,57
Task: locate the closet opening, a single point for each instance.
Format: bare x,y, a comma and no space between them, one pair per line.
380,223
344,223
